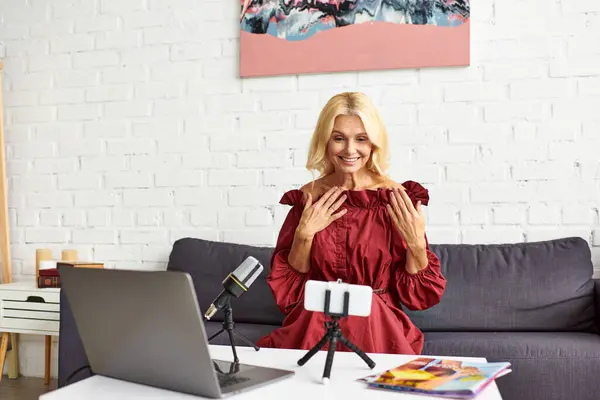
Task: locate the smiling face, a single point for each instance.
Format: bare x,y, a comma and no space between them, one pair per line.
349,147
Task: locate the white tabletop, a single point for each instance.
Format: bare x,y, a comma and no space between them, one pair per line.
305,384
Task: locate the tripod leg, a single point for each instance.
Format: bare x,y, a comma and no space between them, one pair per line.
314,350
216,334
329,359
358,351
235,357
245,339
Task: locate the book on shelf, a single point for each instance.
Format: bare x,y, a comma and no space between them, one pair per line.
48,278
439,377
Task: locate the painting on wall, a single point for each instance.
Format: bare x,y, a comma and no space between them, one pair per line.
279,37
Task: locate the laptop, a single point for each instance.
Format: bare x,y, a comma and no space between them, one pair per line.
146,327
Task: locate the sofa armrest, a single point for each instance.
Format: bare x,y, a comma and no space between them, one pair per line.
597,303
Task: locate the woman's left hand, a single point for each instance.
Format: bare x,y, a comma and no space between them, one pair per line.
408,219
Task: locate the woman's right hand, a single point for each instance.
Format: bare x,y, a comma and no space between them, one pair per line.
318,216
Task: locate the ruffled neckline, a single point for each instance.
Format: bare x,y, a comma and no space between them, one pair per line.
365,198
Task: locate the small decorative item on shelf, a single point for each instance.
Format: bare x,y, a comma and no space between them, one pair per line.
69,255
46,268
51,278
48,278
47,264
41,255
48,274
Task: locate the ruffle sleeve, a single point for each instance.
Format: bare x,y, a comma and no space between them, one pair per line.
416,192
424,289
286,283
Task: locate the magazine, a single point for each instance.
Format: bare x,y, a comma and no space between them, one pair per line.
439,377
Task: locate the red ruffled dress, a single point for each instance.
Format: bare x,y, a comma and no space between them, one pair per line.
363,247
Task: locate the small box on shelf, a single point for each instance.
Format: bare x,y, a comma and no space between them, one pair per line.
48,278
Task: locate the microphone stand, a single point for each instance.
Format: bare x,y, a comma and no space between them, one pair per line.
234,368
225,377
228,326
332,335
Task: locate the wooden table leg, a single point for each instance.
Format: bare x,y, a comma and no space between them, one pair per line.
3,349
13,357
48,360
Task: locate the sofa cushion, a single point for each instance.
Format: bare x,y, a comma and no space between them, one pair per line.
509,346
537,286
208,263
545,365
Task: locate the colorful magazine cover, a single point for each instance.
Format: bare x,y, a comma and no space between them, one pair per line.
439,377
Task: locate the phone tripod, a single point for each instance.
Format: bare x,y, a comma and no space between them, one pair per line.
332,335
228,326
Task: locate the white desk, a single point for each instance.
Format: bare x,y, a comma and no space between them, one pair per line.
306,384
24,308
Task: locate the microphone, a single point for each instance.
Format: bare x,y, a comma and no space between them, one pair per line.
236,284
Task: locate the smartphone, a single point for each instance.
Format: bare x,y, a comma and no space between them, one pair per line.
360,297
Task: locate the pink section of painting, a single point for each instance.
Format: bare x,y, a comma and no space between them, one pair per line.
312,36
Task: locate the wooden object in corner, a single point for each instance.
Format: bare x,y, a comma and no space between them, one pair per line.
4,224
5,267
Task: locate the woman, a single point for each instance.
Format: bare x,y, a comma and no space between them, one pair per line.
354,224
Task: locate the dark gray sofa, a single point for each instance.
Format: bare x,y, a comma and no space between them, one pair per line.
533,304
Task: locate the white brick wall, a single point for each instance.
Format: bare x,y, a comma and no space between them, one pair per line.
128,128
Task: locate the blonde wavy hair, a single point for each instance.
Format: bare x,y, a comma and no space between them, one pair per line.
349,103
